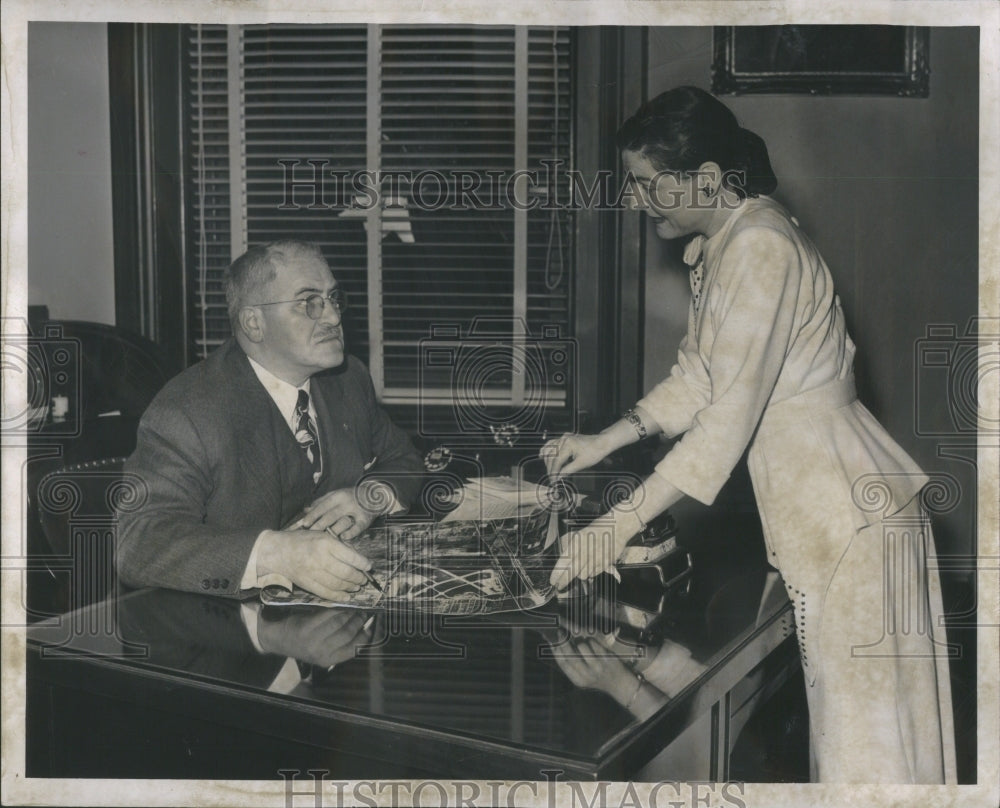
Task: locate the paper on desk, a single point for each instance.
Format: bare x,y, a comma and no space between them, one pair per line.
479,509
507,487
488,498
497,498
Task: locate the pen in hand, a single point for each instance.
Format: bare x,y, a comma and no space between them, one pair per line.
371,578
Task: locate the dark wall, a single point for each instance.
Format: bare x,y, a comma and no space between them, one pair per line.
888,189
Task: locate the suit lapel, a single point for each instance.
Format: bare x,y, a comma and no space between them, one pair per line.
279,465
323,398
292,466
343,439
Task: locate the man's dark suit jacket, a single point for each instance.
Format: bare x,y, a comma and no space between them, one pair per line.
220,465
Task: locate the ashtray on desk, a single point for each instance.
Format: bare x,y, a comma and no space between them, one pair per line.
652,569
639,605
655,556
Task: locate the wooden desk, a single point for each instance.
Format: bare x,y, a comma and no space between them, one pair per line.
167,684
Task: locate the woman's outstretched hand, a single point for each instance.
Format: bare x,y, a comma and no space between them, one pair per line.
594,549
572,452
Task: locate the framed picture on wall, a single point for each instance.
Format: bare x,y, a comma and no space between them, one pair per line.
821,60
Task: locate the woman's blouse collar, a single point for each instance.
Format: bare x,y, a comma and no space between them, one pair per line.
699,247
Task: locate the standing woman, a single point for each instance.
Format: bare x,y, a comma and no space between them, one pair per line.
767,363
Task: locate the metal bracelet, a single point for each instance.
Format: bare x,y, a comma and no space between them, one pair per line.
633,418
641,681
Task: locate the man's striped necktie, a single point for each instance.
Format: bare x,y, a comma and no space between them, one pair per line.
305,432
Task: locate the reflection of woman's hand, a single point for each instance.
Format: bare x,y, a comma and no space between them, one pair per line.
322,637
672,668
587,663
572,452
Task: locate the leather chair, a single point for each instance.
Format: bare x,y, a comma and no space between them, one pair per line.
77,508
74,474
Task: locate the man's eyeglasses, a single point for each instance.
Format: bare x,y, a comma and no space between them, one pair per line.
315,305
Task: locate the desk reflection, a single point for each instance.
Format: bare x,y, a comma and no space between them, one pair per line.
511,691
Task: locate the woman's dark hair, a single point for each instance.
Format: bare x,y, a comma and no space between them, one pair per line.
685,127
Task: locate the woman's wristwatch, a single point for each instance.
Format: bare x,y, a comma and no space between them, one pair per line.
633,418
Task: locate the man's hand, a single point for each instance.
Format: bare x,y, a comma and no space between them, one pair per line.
345,511
315,561
322,637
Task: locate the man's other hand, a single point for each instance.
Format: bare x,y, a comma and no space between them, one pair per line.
341,511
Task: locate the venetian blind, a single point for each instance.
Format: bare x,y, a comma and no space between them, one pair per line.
283,121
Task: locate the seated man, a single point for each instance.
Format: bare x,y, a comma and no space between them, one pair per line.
272,427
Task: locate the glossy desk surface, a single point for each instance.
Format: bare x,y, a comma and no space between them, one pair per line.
507,696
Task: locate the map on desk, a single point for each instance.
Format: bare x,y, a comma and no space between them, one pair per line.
458,567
